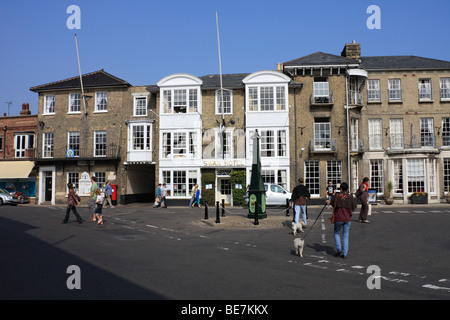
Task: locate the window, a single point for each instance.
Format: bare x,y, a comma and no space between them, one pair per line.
425,92
355,169
179,182
445,88
395,90
373,90
432,176
49,104
73,178
226,106
354,134
334,171
396,133
101,101
322,135
416,175
427,133
267,143
446,132
73,143
312,177
74,103
180,100
397,169
273,143
140,106
179,144
446,175
22,143
47,145
100,144
276,176
375,136
376,175
321,90
267,98
100,179
224,145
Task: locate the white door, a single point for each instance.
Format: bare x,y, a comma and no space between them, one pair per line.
224,190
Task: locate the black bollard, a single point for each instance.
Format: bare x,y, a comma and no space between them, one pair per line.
223,207
256,214
206,210
288,205
217,212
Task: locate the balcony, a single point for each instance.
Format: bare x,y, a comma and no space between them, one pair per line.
355,98
326,99
425,143
323,145
108,152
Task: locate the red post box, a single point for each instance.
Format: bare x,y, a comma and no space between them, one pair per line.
114,194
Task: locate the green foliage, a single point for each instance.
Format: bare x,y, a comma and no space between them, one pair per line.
208,177
238,176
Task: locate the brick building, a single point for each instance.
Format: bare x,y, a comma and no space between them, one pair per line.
83,136
17,152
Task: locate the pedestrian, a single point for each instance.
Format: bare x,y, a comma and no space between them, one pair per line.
92,198
99,206
343,205
108,194
163,196
191,201
363,195
157,203
330,192
72,202
298,198
197,197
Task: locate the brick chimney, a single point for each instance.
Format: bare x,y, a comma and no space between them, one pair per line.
352,50
25,109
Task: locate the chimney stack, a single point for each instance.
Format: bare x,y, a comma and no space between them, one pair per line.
25,109
352,50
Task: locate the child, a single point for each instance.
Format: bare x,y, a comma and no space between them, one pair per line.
98,209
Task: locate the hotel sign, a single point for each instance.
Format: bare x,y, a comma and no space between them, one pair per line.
224,163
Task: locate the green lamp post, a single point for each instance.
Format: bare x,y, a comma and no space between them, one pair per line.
256,191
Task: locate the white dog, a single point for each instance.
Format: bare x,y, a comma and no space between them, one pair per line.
298,245
296,226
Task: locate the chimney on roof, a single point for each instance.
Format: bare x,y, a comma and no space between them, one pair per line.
25,109
352,50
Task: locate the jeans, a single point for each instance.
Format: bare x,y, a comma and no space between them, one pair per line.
297,209
337,236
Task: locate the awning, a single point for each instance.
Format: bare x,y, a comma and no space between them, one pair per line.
15,169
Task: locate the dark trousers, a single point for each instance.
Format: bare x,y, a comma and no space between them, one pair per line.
74,210
364,209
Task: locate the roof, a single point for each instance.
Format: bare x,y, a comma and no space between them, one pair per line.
320,59
402,63
96,79
229,81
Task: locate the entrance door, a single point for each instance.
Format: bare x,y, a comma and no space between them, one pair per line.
224,190
48,186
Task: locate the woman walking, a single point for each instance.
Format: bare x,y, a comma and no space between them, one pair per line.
197,197
364,197
343,206
72,202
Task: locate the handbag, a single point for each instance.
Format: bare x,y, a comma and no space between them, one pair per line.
334,209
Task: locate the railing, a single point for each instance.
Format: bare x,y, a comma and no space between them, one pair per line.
322,145
111,151
322,99
355,98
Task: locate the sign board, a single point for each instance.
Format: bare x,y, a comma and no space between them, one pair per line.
84,185
372,196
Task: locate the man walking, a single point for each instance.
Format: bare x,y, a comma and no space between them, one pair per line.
299,196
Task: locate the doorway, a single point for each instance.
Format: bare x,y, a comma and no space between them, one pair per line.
48,185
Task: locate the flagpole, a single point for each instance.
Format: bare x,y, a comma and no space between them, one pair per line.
220,63
81,79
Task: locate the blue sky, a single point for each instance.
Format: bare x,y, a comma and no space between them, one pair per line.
143,41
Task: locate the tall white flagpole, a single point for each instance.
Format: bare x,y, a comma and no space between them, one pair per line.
220,64
81,79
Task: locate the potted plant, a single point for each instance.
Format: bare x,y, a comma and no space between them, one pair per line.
388,198
447,196
419,197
